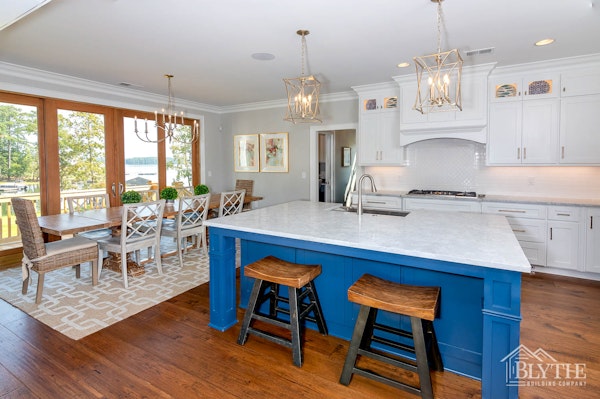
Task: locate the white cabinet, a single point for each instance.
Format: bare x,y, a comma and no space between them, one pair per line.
528,222
523,120
470,123
580,129
457,205
592,233
564,230
377,201
379,118
533,86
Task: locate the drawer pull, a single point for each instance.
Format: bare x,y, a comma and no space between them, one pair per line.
563,214
550,232
519,231
591,222
511,210
375,202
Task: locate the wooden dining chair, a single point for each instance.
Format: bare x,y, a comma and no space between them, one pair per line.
140,228
82,203
231,202
189,222
248,186
149,195
45,257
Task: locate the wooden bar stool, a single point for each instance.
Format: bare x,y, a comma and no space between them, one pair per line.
421,305
269,273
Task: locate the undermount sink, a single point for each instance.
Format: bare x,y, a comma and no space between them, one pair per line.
389,212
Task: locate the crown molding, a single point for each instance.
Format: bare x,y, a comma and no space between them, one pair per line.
282,103
26,80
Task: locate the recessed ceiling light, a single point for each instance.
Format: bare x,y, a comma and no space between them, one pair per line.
544,42
263,56
403,65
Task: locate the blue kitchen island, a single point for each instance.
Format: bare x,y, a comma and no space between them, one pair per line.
474,258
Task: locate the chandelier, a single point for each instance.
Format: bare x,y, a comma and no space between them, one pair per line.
438,77
302,93
171,123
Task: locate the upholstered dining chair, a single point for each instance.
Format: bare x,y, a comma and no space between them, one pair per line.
248,186
45,257
82,203
191,215
140,228
231,202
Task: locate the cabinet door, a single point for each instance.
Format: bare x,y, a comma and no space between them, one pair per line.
538,86
504,133
581,83
505,88
368,142
592,229
580,129
563,245
540,131
389,140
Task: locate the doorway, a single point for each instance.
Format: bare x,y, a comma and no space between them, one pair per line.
330,148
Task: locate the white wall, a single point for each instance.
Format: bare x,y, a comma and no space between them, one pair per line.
448,164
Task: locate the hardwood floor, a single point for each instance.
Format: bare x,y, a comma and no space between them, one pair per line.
168,351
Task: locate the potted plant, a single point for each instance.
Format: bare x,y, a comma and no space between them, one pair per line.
169,194
201,189
131,197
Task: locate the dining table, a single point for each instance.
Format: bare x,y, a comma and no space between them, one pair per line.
65,224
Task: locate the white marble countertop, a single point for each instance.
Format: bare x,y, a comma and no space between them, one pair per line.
496,198
470,238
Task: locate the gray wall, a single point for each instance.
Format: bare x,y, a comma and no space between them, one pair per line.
274,187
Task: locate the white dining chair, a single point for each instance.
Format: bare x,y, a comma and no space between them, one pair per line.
81,203
189,222
232,202
140,228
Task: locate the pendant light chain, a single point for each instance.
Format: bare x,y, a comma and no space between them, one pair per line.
303,51
439,26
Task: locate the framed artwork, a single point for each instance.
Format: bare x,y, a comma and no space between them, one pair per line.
245,153
345,156
274,152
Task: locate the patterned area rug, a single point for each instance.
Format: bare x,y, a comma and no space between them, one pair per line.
76,309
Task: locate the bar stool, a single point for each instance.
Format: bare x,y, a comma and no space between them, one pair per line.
421,305
269,273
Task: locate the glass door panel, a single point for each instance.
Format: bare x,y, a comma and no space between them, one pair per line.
19,165
81,154
141,158
179,160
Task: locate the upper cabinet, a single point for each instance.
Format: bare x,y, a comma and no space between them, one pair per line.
545,117
523,120
580,118
524,88
378,142
470,123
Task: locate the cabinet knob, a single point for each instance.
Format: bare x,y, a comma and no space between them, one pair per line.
564,89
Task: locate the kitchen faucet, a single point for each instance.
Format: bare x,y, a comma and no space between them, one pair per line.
359,211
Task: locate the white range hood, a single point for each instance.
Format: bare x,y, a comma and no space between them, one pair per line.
468,124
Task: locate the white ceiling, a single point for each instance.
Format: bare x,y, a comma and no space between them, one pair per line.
207,44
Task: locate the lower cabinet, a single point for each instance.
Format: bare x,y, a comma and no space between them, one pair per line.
458,205
592,234
528,222
565,246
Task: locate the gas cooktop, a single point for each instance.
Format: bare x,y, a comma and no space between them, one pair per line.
446,193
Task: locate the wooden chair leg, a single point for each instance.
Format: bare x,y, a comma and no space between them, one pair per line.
77,271
157,257
26,282
295,326
256,288
124,268
421,355
357,338
95,272
40,288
